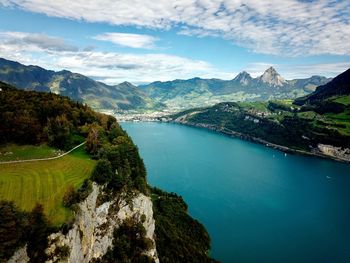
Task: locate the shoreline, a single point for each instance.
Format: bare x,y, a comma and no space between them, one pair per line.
249,138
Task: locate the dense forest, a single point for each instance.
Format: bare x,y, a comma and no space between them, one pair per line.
179,237
35,117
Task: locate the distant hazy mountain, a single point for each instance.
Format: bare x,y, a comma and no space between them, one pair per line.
124,96
339,86
196,92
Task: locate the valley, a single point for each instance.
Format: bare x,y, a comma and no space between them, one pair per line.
106,172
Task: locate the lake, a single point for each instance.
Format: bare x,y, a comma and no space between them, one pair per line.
258,204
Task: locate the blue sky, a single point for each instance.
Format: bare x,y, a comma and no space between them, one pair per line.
140,42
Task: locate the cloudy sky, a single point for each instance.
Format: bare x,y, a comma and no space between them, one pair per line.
142,41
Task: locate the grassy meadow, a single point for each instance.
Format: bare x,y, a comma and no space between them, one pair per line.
13,152
44,182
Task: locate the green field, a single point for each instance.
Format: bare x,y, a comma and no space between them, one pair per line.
258,105
342,99
13,152
45,182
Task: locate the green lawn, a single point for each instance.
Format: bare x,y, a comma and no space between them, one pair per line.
14,152
45,182
258,105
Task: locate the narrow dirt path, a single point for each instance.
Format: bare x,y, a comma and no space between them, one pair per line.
44,159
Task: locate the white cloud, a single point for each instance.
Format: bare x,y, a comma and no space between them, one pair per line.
110,67
300,71
288,27
35,41
323,69
129,40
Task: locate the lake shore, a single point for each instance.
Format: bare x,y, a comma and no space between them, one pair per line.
315,152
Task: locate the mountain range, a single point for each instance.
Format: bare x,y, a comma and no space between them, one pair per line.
172,95
98,95
196,92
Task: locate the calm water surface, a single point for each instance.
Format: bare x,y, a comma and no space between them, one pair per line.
257,204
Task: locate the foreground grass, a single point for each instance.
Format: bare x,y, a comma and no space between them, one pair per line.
45,182
13,152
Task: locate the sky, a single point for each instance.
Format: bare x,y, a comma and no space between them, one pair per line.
142,41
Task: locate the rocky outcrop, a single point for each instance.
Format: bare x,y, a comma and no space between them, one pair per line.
272,78
336,152
20,256
92,232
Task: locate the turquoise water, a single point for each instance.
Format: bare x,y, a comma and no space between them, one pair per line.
257,204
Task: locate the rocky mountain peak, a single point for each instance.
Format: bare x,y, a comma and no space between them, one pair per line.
244,78
272,77
126,83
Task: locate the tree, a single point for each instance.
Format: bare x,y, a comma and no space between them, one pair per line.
114,157
117,182
93,141
58,131
103,172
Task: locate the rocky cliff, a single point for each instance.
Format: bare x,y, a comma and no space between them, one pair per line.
91,234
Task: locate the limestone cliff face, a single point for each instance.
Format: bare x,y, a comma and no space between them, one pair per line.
92,232
20,256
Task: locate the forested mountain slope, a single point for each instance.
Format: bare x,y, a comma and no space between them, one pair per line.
98,95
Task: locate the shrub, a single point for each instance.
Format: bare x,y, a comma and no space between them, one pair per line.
70,197
84,190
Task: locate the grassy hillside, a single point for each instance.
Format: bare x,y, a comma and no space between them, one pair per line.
45,182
